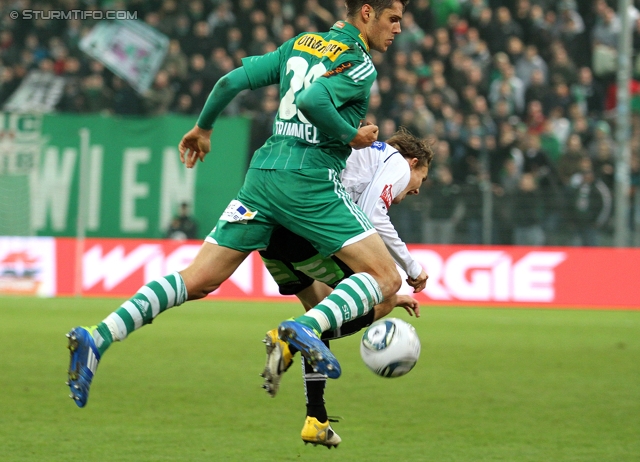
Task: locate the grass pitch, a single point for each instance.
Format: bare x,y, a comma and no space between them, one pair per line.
491,385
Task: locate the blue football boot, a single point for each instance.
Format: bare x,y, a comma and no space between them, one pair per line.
84,362
312,348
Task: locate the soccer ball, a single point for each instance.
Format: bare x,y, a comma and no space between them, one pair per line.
390,347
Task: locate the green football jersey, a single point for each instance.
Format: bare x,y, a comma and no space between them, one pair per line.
339,60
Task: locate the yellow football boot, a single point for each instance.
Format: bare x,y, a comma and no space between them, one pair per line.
279,359
316,433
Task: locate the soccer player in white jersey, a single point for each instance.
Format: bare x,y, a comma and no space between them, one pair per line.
375,177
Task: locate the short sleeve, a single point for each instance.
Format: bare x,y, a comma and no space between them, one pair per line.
263,70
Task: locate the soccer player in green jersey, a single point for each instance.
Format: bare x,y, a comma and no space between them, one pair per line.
325,80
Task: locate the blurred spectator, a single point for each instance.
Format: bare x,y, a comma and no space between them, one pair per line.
522,15
422,11
9,82
199,41
570,25
527,213
221,19
387,128
411,36
183,105
588,93
562,69
604,164
607,27
604,40
177,60
580,126
444,209
509,87
471,194
560,124
535,117
445,8
259,40
515,48
503,27
538,88
560,96
529,62
504,190
126,100
569,163
96,94
601,134
9,51
158,99
590,206
182,226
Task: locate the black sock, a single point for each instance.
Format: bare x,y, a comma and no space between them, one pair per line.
314,384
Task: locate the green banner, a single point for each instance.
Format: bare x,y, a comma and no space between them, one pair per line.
133,181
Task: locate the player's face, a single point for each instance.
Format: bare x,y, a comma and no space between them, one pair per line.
383,28
418,176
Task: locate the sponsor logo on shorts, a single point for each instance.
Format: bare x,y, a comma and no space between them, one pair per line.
237,213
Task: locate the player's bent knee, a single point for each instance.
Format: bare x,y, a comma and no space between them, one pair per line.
396,283
389,282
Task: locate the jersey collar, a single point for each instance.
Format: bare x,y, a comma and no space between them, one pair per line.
352,31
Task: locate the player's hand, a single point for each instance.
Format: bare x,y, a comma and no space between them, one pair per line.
195,144
365,137
418,283
411,305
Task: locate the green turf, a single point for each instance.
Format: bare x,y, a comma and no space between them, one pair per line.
491,385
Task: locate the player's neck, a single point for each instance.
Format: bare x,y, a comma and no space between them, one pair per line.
362,28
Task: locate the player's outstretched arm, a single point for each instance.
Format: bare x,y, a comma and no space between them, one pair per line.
196,143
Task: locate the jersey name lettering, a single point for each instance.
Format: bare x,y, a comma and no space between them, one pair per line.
307,132
319,47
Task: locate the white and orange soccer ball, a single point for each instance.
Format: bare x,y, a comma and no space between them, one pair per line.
390,347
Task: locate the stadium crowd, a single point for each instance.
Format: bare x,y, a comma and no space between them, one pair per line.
518,97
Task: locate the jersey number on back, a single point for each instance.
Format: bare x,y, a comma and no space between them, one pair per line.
300,79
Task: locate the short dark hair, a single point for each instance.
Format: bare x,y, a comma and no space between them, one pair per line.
412,147
353,6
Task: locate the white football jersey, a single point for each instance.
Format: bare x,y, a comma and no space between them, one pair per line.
373,177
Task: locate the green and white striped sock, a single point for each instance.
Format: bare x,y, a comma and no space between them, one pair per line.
151,300
352,298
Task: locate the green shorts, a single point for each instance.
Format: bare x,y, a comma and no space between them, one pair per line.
311,203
